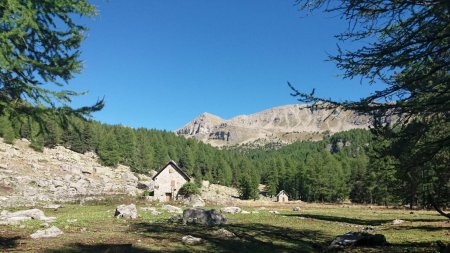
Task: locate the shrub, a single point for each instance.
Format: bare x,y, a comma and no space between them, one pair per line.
188,189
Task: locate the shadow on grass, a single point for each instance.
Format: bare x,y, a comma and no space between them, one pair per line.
98,248
8,242
249,237
342,219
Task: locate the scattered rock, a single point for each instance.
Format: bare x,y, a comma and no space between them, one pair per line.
245,212
151,209
194,200
52,206
189,239
14,217
71,220
204,217
296,209
172,209
357,239
231,209
49,232
397,221
254,212
223,233
126,211
274,212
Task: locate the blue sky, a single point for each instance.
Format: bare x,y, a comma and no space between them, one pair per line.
160,63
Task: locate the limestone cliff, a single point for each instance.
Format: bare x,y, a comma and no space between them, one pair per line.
283,125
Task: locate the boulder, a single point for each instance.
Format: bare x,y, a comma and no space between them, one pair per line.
126,211
296,209
194,200
357,239
34,214
204,217
223,233
45,233
231,209
172,209
191,240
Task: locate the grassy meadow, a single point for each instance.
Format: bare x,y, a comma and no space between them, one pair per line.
308,230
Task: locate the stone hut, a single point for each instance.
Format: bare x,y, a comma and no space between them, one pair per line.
168,181
282,196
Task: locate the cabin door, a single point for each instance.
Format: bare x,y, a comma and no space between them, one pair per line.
168,196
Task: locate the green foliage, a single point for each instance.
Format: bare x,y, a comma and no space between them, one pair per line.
409,53
188,189
248,188
6,130
40,43
108,150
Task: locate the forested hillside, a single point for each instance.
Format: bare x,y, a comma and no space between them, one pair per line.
334,169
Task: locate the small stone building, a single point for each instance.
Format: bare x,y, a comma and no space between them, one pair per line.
282,196
168,181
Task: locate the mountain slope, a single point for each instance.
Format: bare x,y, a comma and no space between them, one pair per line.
283,124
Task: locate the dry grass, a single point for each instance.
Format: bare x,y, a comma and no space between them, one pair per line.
309,230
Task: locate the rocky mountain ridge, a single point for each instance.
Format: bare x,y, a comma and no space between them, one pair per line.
283,124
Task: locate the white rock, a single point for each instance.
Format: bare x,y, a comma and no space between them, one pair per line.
296,209
245,212
45,233
189,239
231,209
223,233
172,209
397,221
126,211
194,200
274,212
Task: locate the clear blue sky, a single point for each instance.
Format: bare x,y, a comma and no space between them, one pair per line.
161,63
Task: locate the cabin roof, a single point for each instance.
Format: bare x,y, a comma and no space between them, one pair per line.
176,167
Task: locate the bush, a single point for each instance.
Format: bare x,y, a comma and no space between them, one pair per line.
188,189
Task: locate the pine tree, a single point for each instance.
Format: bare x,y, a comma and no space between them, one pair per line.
108,150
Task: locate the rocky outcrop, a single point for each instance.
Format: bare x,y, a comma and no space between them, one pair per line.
284,124
28,178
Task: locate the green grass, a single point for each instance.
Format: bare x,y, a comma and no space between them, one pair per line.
310,230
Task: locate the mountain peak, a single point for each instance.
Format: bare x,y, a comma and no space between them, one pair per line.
281,124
